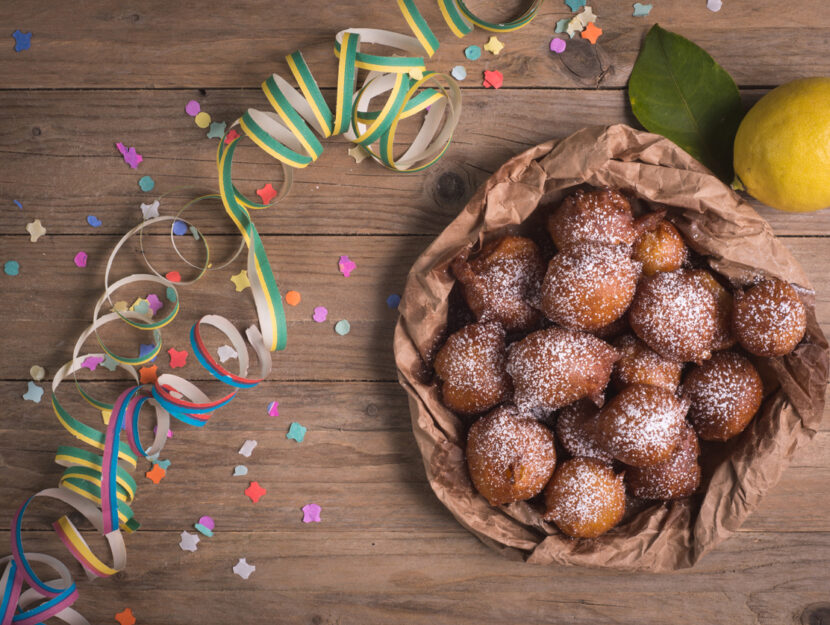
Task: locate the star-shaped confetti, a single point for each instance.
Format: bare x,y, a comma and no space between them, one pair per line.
267,193
641,10
231,136
247,448
240,469
592,32
296,432
154,302
243,569
35,230
346,266
34,393
156,474
216,130
189,541
226,352
255,491
575,5
22,41
164,464
562,25
148,375
311,513
493,79
274,409
109,363
177,358
241,281
587,16
357,153
81,259
574,26
131,157
91,362
126,617
493,45
149,211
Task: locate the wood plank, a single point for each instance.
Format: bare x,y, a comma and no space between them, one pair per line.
58,158
151,44
381,575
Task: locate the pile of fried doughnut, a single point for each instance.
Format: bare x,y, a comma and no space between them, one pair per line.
590,379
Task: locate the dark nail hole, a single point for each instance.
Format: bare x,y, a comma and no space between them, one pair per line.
202,92
371,410
35,131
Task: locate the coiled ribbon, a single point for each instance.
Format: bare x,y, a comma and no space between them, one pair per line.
97,482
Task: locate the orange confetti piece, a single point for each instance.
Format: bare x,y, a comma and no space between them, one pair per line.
267,193
591,32
156,474
126,617
292,298
148,375
493,79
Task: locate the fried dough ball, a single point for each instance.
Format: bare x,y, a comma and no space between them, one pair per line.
589,285
509,458
639,364
613,329
598,215
769,319
724,337
641,425
576,429
471,365
502,281
677,477
554,367
660,249
585,498
726,392
675,315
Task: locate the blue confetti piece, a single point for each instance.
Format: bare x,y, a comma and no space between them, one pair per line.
146,183
93,221
164,464
459,72
393,300
19,205
11,268
145,350
201,528
472,52
109,363
641,9
22,41
296,431
179,228
217,130
562,25
35,393
171,294
575,5
240,469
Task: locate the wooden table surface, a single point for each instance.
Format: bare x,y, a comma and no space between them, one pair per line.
386,551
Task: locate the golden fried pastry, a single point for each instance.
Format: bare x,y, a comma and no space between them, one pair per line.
675,315
471,366
585,498
613,329
502,281
724,337
639,364
598,215
509,458
726,392
589,285
576,429
554,367
677,477
641,425
769,318
660,249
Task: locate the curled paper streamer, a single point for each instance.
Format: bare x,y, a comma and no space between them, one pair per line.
97,481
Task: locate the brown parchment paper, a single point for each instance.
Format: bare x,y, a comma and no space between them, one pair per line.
737,242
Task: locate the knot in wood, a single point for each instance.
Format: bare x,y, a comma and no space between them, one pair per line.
449,187
816,614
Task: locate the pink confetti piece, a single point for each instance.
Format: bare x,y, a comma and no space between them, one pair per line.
131,157
346,265
91,362
207,522
232,134
714,5
80,259
557,45
192,108
311,513
154,302
169,432
274,409
320,314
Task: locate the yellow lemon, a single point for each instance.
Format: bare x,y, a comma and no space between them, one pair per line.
782,149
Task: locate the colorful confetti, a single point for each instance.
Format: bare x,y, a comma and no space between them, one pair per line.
320,314
177,358
296,432
358,154
557,45
109,363
217,130
22,41
146,183
255,492
188,541
292,298
231,136
472,52
587,16
562,25
195,232
346,266
156,474
173,276
154,302
247,448
342,327
192,108
714,5
93,221
459,72
202,120
592,32
145,349
393,300
11,268
179,228
493,45
148,211
575,5
80,259
311,513
243,569
240,469
241,281
34,393
641,10
131,157
141,306
92,362
205,526
170,293
274,409
493,79
125,617
35,230
18,204
37,372
267,193
169,434
164,464
148,375
226,352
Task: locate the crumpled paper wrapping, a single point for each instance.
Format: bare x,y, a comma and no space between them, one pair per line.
737,242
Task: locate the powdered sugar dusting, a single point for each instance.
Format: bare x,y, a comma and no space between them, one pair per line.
473,358
601,215
576,429
770,319
679,476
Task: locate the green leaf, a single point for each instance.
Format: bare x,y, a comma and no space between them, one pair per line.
677,90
